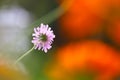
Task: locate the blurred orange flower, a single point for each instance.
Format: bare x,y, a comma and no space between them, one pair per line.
90,55
85,17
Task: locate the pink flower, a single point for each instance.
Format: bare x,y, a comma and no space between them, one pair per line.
43,37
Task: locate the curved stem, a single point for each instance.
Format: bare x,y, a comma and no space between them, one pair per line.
24,54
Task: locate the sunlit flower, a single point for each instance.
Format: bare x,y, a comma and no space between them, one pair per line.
43,37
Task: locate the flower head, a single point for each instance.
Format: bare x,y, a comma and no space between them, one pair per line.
43,37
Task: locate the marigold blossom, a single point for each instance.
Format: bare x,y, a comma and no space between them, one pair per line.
43,37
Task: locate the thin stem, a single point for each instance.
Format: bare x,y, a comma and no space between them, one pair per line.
24,54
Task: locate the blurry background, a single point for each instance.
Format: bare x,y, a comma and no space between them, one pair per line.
86,46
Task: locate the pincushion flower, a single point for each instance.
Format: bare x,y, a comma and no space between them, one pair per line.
43,37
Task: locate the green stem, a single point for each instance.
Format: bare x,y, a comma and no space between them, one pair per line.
24,55
53,15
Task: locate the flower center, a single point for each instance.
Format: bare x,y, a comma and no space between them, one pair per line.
43,37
